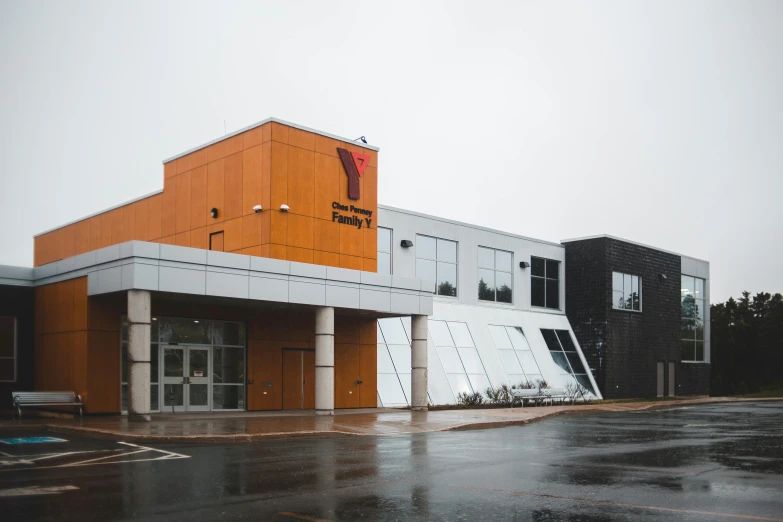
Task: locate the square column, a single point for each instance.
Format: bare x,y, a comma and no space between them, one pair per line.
138,362
324,360
419,362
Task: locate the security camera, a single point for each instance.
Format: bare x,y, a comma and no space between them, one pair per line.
284,207
257,209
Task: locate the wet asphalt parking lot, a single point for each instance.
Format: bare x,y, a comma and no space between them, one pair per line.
719,462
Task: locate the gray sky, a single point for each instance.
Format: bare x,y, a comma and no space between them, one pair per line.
660,122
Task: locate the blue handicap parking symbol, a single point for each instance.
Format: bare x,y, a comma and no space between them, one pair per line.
31,440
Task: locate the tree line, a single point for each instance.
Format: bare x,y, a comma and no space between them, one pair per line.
747,344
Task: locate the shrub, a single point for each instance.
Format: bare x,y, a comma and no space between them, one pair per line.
469,399
542,384
526,386
500,396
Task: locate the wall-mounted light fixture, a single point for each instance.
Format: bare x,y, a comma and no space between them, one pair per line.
284,207
257,209
406,243
362,139
662,277
213,213
524,264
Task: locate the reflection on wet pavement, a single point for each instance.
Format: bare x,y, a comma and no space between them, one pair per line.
696,463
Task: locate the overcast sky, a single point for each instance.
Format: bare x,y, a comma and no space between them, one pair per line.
659,122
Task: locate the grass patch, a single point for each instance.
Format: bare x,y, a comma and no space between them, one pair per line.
766,394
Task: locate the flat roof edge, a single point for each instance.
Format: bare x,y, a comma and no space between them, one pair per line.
608,236
264,122
469,225
115,207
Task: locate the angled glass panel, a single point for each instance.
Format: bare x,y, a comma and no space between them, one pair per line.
447,279
450,360
384,263
426,248
479,382
576,362
561,361
401,357
405,382
551,340
503,286
461,335
533,378
459,383
584,380
390,390
425,269
486,258
552,294
385,364
565,340
393,332
384,239
440,333
528,361
538,267
517,379
447,251
486,285
379,333
471,360
552,269
500,337
510,362
518,338
503,260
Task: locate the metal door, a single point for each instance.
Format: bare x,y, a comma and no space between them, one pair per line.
197,379
173,378
660,379
186,372
671,380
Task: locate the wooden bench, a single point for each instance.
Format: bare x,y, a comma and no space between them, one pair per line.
37,399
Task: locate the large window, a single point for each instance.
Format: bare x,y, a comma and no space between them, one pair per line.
692,299
518,359
495,276
384,251
436,260
459,357
626,292
544,283
564,354
7,349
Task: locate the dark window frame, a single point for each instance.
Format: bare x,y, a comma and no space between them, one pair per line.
548,282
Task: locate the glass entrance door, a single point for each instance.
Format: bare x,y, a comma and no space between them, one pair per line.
185,378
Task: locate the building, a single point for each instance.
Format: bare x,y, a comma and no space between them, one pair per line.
642,316
265,276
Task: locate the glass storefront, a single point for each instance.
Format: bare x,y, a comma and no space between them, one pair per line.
195,365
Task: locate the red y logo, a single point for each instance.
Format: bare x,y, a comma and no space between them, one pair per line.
354,164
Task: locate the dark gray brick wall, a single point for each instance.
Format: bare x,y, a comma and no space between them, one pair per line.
19,301
623,347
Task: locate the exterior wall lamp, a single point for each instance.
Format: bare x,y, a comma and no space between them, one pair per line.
406,243
213,212
284,208
257,209
523,264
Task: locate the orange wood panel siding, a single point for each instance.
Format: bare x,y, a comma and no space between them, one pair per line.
269,166
77,344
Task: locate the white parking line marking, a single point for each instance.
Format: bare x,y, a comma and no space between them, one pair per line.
30,460
35,490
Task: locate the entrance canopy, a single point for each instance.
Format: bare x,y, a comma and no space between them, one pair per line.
139,265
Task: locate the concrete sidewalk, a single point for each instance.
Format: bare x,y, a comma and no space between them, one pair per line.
249,426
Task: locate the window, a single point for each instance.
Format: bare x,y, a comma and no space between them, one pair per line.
436,260
384,251
564,354
519,361
459,357
692,311
495,276
7,349
545,283
626,292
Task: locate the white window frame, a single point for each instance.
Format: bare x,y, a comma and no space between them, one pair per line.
495,270
456,263
641,292
391,249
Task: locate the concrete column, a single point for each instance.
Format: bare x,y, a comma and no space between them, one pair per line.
324,360
419,362
138,362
